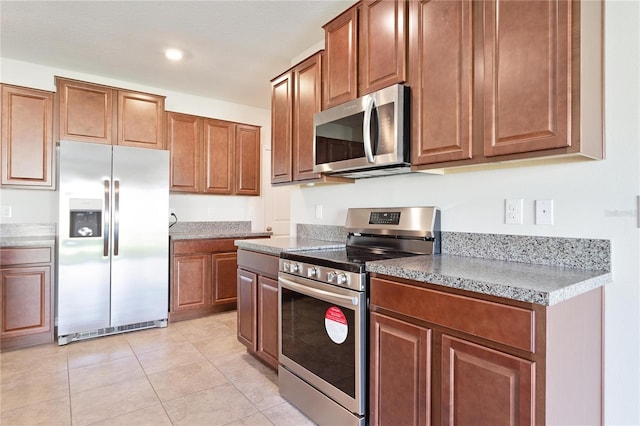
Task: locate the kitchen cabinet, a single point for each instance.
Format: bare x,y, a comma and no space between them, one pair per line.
442,80
257,281
523,83
365,49
101,114
461,357
213,156
202,277
296,96
25,296
27,138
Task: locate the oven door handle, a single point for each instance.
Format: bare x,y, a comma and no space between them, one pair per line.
327,296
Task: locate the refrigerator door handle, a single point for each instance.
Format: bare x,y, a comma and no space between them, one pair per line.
116,216
105,218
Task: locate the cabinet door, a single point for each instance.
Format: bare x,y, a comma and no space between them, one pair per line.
441,49
86,112
247,176
247,295
281,128
191,287
400,372
527,64
267,344
27,137
25,298
382,44
340,74
307,101
140,120
223,273
183,141
219,149
484,386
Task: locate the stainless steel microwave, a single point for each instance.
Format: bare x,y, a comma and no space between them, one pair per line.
366,137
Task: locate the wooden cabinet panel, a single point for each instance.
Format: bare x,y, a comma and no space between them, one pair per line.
191,286
527,71
381,44
247,179
219,152
224,267
26,301
86,112
441,48
247,304
27,137
307,101
340,73
281,128
140,120
183,142
267,310
400,372
483,386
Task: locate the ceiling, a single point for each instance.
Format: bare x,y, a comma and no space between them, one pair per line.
232,48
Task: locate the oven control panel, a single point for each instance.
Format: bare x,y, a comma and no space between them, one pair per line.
346,279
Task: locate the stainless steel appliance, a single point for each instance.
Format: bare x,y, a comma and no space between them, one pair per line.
113,243
366,137
323,315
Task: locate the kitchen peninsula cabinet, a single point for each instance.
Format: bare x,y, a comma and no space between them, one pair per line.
213,156
26,296
366,50
461,357
101,114
202,277
257,280
295,96
27,138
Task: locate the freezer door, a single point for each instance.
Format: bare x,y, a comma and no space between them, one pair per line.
140,247
83,225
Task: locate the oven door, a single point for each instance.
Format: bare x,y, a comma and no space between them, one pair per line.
322,338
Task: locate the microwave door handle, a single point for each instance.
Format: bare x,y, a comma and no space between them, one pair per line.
366,129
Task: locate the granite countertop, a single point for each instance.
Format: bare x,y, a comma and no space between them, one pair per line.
541,284
276,245
32,241
219,229
216,234
27,234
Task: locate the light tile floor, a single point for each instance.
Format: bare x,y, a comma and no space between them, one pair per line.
190,373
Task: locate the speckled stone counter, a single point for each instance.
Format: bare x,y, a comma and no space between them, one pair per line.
205,230
534,283
27,235
276,245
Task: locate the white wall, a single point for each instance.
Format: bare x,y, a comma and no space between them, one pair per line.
594,199
187,207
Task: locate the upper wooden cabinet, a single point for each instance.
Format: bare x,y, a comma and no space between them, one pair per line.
27,138
441,80
101,114
213,156
505,80
366,50
296,97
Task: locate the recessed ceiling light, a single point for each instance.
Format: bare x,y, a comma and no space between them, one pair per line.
173,54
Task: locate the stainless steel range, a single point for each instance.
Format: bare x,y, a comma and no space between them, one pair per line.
323,310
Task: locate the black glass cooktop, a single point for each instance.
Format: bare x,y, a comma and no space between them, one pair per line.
348,259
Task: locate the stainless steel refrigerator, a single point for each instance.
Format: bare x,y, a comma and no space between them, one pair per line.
113,245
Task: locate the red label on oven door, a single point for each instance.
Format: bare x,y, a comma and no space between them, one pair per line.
336,325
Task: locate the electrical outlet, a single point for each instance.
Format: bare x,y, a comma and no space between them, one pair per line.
513,211
6,212
544,212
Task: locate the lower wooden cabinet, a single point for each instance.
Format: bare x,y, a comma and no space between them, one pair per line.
257,280
453,357
202,277
25,296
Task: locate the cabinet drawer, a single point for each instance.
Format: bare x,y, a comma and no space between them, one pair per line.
500,323
25,255
204,246
264,264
